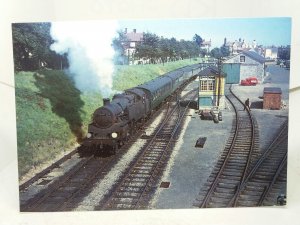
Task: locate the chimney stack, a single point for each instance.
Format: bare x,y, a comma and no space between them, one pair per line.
106,101
134,30
125,31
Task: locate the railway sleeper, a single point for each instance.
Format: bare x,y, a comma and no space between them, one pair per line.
125,200
248,203
237,179
250,197
229,181
133,185
252,192
221,201
261,180
139,175
150,158
142,171
233,163
218,204
141,167
230,191
232,172
134,180
131,189
227,185
235,168
265,174
255,187
127,194
222,195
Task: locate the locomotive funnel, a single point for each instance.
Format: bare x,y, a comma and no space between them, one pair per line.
106,101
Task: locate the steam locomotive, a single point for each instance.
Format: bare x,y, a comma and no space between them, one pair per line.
117,119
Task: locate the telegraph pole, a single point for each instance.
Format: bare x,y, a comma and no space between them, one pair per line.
219,81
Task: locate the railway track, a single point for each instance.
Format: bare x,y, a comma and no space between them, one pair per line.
267,179
135,189
66,192
236,160
47,170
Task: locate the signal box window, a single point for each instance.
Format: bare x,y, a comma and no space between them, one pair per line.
207,85
242,58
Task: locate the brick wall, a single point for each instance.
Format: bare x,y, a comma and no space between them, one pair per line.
272,101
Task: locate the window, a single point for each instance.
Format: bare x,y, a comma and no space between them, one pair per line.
207,84
242,58
132,44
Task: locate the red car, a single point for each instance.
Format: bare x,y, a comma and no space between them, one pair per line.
250,81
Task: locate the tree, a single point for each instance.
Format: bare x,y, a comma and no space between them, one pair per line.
149,48
224,51
284,52
220,52
216,53
165,49
119,44
198,39
31,47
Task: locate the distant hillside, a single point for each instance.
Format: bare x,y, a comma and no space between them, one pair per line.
52,114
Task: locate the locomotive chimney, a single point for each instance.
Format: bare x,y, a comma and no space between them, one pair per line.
106,101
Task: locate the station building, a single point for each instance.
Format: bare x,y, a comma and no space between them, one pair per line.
244,65
211,89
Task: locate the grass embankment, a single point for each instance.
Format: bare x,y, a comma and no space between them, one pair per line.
52,114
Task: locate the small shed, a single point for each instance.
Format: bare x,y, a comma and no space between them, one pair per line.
272,98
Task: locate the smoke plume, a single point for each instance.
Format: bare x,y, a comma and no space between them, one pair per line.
89,50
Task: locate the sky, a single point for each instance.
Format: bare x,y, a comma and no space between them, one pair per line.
266,31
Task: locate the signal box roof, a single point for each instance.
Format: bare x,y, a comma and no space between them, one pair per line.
272,90
211,71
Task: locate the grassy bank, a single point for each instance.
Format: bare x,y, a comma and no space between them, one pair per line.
52,114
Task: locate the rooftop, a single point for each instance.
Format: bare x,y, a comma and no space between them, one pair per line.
211,71
272,90
134,36
254,55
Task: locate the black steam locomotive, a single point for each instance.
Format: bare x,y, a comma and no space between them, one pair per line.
117,119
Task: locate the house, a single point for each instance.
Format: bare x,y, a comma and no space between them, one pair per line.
271,53
244,65
206,45
133,38
211,88
238,46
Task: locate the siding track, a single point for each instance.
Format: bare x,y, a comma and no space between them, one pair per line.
235,162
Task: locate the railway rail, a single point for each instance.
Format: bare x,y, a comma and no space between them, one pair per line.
47,170
135,189
267,179
236,160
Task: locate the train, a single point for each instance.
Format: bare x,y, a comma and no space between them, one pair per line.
114,122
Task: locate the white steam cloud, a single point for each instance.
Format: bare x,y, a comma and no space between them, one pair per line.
90,54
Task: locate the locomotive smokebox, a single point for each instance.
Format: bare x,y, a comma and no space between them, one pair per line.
106,101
